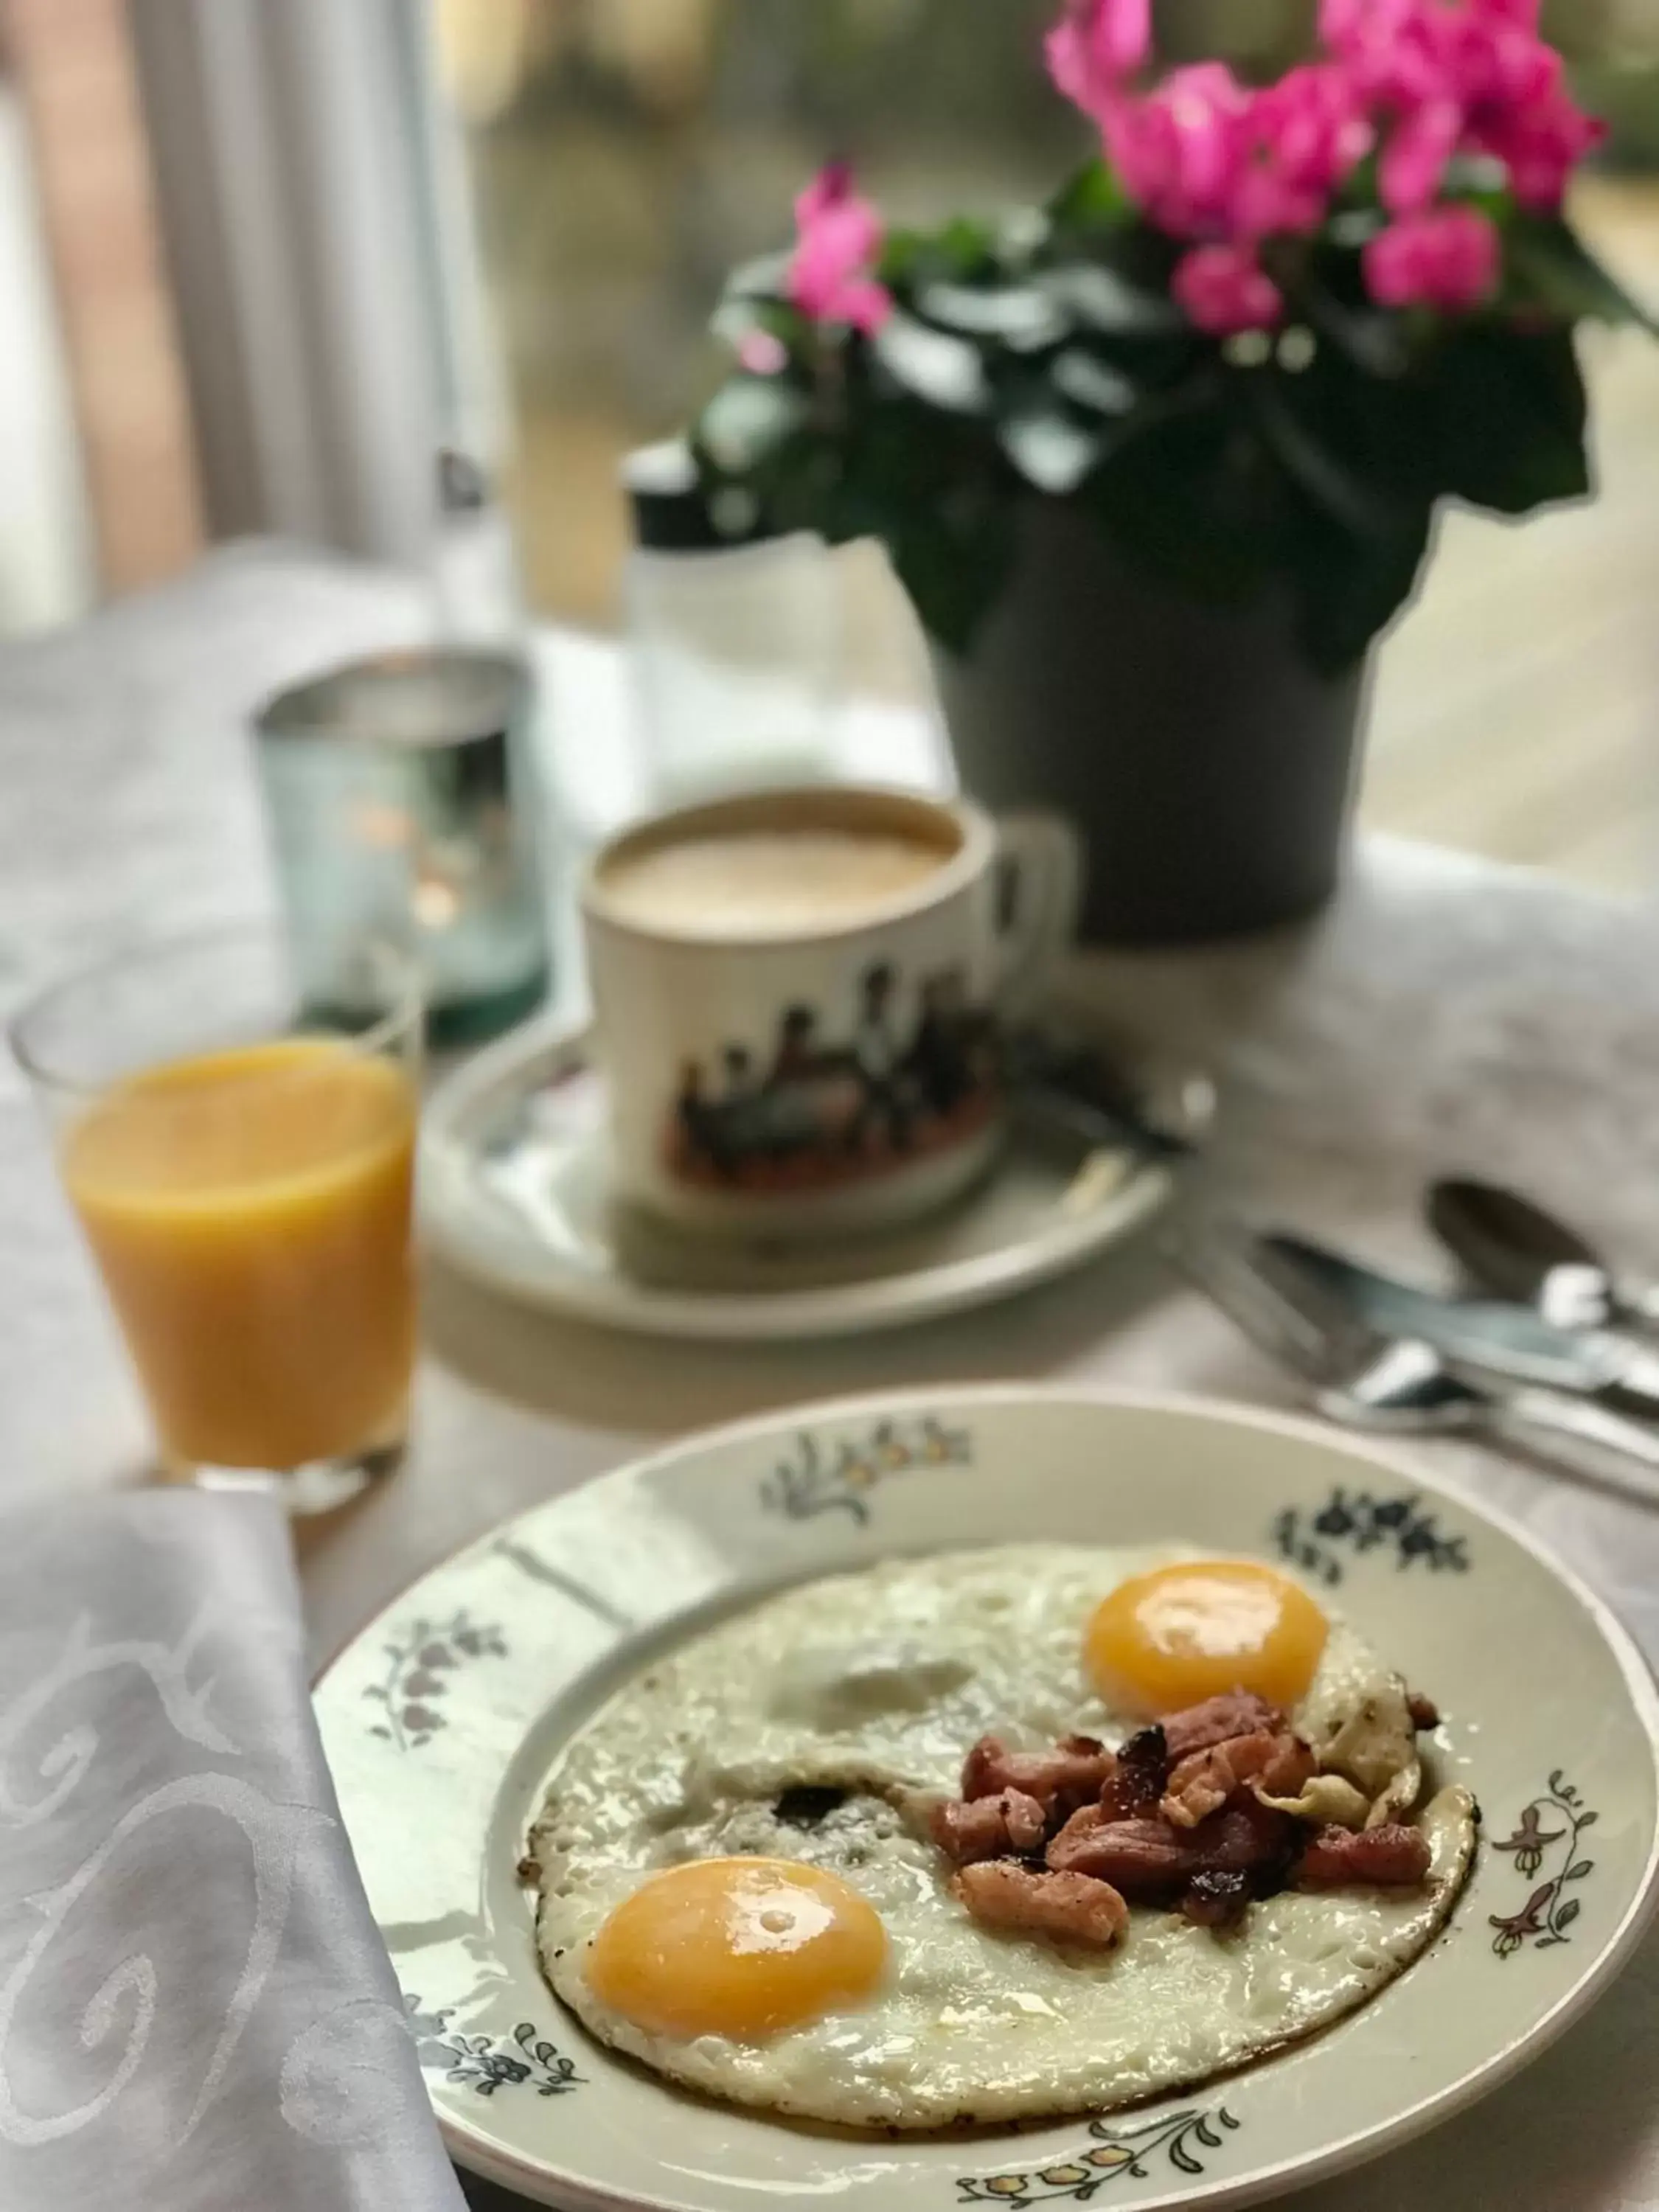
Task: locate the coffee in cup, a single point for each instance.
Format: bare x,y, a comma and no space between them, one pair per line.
798,997
741,886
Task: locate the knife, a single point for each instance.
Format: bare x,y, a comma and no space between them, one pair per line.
1485,1336
1368,1380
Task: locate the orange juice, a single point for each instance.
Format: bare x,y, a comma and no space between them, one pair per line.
251,1212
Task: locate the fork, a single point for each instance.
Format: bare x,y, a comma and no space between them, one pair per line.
1396,1385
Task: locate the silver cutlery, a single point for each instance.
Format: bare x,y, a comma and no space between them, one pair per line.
1072,1084
1363,1378
1483,1339
1509,1246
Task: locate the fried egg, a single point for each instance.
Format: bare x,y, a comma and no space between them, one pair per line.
737,1888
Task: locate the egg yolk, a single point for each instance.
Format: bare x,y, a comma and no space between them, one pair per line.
739,1948
1184,1633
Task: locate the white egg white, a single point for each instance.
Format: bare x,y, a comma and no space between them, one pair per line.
877,1683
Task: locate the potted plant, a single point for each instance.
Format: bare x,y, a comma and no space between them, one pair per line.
1159,461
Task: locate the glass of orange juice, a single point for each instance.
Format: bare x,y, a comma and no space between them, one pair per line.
244,1172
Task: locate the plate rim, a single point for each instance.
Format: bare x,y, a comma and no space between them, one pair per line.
480,2156
873,1307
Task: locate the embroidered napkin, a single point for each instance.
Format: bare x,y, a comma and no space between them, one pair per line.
196,2012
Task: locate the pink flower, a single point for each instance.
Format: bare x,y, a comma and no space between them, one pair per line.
1540,143
1095,45
1209,160
830,278
1182,150
1490,62
1461,75
1543,150
1418,152
1387,46
1309,132
1224,289
1447,258
831,189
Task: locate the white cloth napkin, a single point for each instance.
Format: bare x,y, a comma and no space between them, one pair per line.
196,2012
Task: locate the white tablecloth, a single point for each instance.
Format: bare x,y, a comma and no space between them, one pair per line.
1444,1014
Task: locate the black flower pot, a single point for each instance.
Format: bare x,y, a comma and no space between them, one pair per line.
1210,769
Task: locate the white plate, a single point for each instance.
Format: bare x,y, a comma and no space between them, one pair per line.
514,1192
442,1720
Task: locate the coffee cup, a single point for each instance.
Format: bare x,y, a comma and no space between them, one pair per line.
799,996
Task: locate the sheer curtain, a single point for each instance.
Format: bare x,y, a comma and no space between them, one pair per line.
321,249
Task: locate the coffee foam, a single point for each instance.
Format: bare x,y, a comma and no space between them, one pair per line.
767,882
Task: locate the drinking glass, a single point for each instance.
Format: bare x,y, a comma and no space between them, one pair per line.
243,1169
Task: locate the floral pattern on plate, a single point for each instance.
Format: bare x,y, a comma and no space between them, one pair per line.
422,1657
486,2063
1117,2152
1558,1817
820,1477
1359,1523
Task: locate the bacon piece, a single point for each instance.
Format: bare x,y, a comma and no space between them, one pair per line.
1138,1776
1424,1713
1238,1712
1278,1766
1060,1780
1393,1857
1146,1858
1216,1900
1142,1856
1068,1908
1012,1824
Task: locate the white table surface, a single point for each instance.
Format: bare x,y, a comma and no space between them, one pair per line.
1445,1014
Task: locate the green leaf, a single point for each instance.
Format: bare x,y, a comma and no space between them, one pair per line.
1093,197
947,372
1549,266
1050,449
965,247
966,244
1021,316
1185,493
903,253
953,559
1506,414
1362,505
1103,300
1349,589
748,420
1357,497
1373,338
1094,384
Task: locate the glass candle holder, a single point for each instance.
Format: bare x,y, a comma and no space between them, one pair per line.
403,802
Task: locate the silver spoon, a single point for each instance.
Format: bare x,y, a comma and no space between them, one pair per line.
1396,1386
1512,1246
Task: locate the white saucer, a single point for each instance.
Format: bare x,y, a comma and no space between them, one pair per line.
514,1192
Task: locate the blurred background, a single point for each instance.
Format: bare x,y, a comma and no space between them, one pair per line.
203,232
